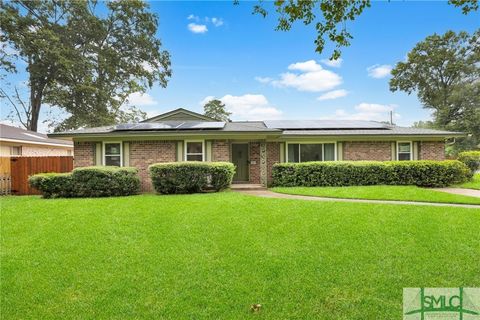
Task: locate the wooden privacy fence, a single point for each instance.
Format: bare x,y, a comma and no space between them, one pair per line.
23,167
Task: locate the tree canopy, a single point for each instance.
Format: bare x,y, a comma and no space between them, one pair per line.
330,17
444,72
85,57
216,109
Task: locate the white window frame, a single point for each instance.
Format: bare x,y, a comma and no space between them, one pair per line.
104,155
411,150
185,142
312,142
20,149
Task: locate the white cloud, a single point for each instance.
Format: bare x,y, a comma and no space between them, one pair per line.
193,17
141,99
335,94
367,111
310,77
379,71
206,99
248,106
332,63
264,79
307,66
197,28
217,22
374,107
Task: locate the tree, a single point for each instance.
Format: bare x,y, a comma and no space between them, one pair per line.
443,70
424,124
330,17
216,109
85,57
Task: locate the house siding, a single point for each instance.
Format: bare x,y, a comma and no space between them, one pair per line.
83,154
254,168
367,150
273,157
145,153
262,155
32,150
431,150
220,150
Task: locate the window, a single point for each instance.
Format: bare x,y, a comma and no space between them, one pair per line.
303,152
15,151
194,151
112,154
404,151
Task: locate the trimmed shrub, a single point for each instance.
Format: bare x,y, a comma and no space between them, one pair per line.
88,182
358,173
471,159
53,185
191,177
105,181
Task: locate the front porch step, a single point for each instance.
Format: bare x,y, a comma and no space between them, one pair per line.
247,187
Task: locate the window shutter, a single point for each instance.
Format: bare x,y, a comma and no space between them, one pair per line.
180,151
126,154
98,154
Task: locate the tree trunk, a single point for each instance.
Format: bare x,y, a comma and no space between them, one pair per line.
36,97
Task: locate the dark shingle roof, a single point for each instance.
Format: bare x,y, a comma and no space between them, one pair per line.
280,127
9,133
391,131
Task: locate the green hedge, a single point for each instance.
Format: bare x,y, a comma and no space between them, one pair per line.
88,182
53,185
471,159
357,173
191,177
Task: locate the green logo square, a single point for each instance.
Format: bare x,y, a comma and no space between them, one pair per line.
441,303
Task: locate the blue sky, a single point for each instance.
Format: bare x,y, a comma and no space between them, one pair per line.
263,74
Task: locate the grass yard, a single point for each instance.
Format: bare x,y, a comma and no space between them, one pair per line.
474,184
211,256
406,193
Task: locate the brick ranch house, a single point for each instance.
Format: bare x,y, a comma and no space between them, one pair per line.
253,146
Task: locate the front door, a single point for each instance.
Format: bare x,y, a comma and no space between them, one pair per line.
240,160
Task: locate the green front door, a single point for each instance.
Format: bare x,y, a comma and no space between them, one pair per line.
240,160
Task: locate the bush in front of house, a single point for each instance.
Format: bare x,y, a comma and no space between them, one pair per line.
471,159
88,182
53,185
104,181
423,173
191,177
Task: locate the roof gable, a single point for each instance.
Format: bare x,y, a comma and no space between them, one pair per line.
180,114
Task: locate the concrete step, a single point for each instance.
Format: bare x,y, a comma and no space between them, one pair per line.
247,187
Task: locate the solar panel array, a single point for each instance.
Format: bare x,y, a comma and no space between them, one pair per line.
170,125
324,124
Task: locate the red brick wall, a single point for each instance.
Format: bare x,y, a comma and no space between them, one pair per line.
273,156
220,150
431,150
145,153
254,169
367,150
83,154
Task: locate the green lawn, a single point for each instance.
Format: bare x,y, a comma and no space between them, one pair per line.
407,193
474,184
211,256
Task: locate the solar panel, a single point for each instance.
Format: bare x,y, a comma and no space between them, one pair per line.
202,125
170,125
323,124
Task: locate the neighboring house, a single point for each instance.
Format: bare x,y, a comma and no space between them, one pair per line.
20,142
253,146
